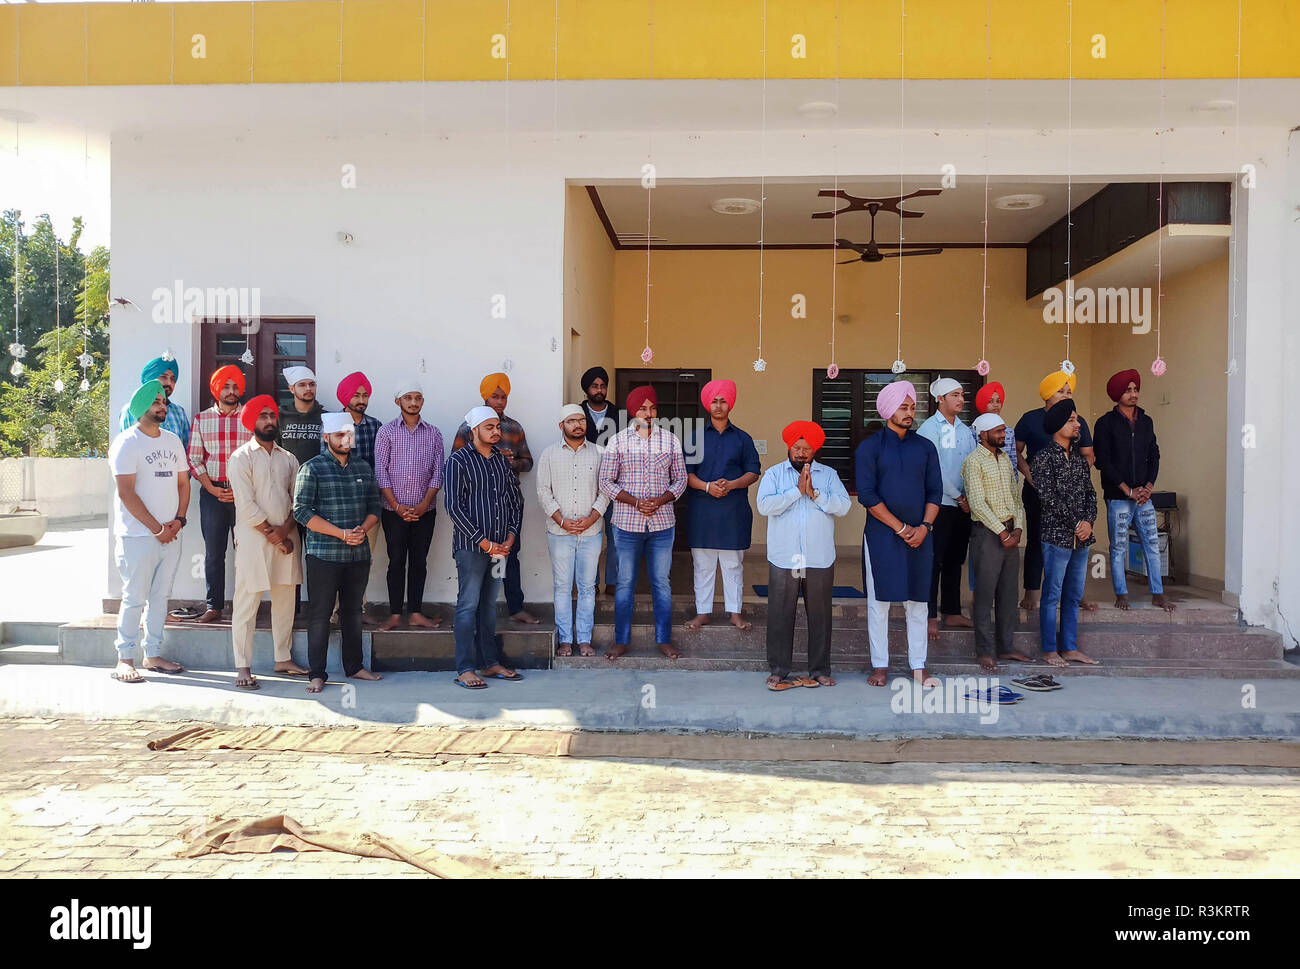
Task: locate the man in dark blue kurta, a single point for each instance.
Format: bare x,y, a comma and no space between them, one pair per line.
900,485
719,520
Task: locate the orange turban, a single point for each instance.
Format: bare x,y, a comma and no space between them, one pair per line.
809,431
253,410
984,393
222,374
488,386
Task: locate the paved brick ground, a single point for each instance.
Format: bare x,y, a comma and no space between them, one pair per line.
89,800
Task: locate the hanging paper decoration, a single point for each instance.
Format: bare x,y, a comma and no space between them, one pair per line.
1067,367
898,366
647,355
85,360
169,356
85,384
507,365
247,356
17,351
1158,367
760,365
762,197
982,368
832,371
16,369
58,385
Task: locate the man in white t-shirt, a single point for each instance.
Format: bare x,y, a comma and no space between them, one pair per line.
153,490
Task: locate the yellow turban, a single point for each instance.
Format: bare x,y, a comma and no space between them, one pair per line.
1054,382
491,382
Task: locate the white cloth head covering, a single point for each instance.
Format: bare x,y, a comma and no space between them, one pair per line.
477,415
571,410
332,422
944,385
294,374
988,422
408,386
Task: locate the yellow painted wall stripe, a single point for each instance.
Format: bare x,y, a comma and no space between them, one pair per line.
299,41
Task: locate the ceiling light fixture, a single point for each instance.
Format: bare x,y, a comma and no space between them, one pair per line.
1016,203
735,206
818,109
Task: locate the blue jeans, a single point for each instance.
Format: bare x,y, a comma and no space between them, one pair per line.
657,547
574,557
611,556
1064,574
1119,515
476,610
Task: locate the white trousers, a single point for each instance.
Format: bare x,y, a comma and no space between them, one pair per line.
707,561
243,621
878,625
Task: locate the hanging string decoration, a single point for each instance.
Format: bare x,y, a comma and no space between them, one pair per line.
760,364
899,366
16,349
1158,365
833,369
648,183
982,368
1066,366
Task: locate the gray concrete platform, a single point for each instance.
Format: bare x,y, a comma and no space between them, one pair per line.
1088,707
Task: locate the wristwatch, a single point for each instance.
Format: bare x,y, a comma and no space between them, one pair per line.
181,519
929,525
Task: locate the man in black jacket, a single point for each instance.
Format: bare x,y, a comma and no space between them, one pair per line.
602,424
1128,458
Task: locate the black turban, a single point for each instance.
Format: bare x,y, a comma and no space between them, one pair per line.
591,374
1058,414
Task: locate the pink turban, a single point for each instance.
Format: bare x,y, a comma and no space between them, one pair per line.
891,397
718,388
349,384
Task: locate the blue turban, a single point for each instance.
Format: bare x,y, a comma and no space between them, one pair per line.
156,367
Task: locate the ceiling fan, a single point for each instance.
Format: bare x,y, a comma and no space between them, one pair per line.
870,251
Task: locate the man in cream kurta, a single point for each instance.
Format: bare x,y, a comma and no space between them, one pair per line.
262,477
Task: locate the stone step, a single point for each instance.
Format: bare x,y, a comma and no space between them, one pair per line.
1223,644
46,633
42,654
432,650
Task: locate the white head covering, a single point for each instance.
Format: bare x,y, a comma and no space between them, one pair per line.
408,386
294,374
571,410
336,423
944,385
477,415
988,422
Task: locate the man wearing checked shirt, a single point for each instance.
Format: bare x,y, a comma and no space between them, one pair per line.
643,470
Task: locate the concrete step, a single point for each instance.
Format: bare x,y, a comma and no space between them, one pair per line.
30,632
432,650
45,654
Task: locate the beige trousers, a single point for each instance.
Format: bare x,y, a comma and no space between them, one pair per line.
243,621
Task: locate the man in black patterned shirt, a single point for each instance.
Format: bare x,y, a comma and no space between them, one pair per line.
1063,479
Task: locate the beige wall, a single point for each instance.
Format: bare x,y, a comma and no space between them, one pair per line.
1187,405
588,292
704,314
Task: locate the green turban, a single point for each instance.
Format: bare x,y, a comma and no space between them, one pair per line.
143,398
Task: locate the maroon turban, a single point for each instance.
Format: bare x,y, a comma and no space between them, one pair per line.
348,387
809,431
1117,384
638,397
253,410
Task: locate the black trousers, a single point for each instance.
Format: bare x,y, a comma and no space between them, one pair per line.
217,522
347,582
408,555
783,590
1033,539
951,536
513,583
995,570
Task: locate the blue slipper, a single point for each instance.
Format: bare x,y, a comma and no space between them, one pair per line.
478,686
1003,696
502,676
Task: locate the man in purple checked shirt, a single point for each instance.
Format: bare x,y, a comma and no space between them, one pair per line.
408,470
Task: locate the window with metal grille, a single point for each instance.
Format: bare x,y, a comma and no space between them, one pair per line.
276,343
846,409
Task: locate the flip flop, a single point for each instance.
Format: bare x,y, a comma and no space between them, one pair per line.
184,612
306,673
782,685
127,679
1034,683
159,669
807,681
469,686
253,685
502,676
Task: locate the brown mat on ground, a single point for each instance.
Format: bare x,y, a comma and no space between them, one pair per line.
425,742
264,835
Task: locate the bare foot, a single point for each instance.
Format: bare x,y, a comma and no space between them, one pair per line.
878,677
585,649
957,621
925,678
316,685
824,680
988,664
523,615
933,630
159,665
290,669
1121,602
1014,658
698,621
1054,659
615,651
1087,606
1163,602
364,674
212,615
392,622
563,649
1074,656
669,650
424,622
740,622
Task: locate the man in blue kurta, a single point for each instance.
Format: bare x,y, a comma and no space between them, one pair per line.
722,464
900,485
952,439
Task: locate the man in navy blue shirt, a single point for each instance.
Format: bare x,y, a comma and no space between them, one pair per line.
719,521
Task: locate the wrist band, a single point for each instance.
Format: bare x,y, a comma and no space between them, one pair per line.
160,531
901,530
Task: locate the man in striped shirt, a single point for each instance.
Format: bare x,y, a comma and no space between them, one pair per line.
216,433
166,372
482,498
644,471
408,470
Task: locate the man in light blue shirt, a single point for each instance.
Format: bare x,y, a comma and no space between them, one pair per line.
801,500
953,440
166,371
